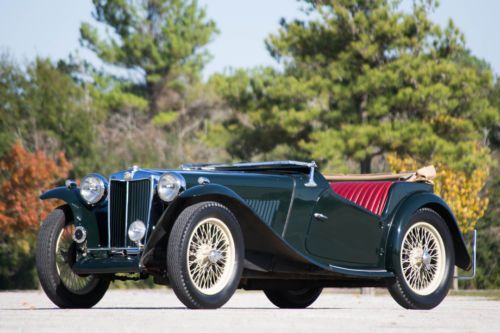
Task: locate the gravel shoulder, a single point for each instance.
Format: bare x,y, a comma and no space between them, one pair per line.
158,309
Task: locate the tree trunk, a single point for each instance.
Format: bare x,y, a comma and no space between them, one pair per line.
366,165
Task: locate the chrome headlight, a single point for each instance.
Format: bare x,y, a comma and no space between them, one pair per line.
93,187
136,231
169,186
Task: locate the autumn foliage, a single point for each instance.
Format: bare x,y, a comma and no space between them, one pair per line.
24,176
461,190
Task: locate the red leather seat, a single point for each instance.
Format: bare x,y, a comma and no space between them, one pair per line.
371,195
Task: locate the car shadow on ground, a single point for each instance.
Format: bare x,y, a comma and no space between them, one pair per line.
168,308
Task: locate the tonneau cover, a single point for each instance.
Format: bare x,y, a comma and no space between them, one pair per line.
425,174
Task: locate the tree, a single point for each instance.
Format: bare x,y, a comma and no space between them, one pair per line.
151,88
361,79
23,176
47,110
463,192
12,82
488,251
161,41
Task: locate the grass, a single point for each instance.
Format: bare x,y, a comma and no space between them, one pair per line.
493,294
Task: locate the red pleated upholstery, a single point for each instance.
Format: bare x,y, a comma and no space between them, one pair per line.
370,195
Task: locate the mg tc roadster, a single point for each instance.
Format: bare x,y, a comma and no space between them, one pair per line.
281,227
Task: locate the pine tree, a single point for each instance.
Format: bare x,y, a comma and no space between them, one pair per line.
160,43
361,79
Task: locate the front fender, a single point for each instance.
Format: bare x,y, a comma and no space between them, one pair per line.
258,236
82,215
210,190
190,196
401,217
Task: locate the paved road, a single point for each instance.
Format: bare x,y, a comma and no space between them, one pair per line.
159,311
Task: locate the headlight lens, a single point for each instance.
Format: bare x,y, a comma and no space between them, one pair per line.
170,185
136,231
92,188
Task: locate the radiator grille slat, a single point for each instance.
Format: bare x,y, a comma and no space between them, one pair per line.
138,207
117,213
139,196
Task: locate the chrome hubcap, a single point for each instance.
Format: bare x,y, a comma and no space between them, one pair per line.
211,256
423,258
215,256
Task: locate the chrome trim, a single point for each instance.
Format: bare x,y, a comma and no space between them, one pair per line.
151,194
130,173
70,183
311,182
104,185
84,235
203,180
311,165
320,217
134,248
289,208
180,180
109,217
126,212
359,270
473,275
213,166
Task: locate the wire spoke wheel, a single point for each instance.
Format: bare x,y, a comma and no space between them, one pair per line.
423,258
65,257
211,256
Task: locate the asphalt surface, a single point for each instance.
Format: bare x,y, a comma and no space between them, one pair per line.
159,311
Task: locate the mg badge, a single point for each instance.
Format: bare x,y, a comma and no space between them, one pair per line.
128,175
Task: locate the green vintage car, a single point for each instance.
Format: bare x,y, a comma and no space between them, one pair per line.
281,227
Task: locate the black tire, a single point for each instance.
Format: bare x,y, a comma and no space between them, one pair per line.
177,264
400,288
293,299
47,269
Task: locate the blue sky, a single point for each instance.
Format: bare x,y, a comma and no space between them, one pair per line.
50,28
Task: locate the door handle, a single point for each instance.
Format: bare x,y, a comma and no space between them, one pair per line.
320,217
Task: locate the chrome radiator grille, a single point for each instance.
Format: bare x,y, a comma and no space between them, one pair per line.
128,201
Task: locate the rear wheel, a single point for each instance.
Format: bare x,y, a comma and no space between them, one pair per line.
425,262
293,298
55,255
205,255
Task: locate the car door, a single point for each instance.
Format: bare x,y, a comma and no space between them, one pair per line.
344,233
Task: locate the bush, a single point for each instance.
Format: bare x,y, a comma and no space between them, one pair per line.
17,264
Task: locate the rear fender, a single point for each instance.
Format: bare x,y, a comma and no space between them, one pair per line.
80,213
401,217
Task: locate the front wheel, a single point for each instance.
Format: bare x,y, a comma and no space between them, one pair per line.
55,254
293,298
424,265
205,255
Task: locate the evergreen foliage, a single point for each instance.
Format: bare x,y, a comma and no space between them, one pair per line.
361,79
161,41
356,84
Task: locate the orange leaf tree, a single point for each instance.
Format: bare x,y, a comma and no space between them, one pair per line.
461,190
24,175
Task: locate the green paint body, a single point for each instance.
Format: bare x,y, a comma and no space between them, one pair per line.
276,210
83,215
